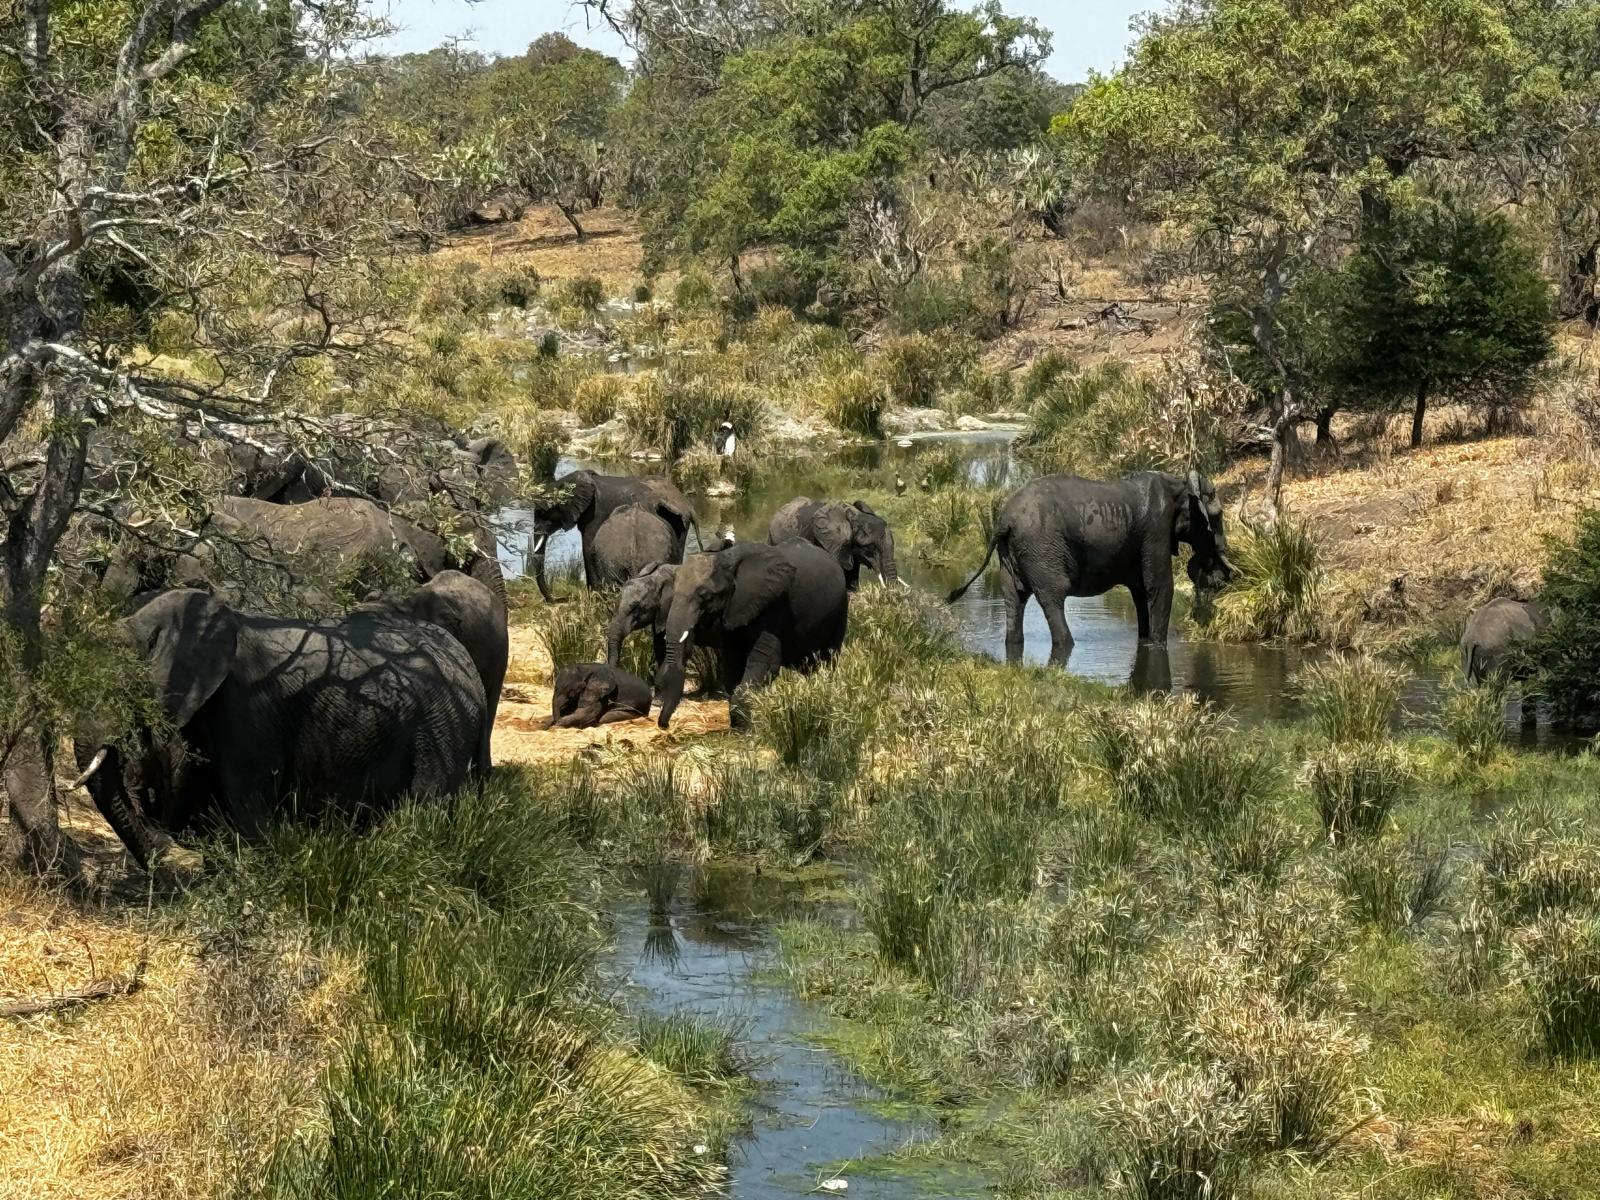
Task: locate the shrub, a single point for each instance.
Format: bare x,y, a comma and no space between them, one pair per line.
1557,962
642,293
694,292
670,413
1043,373
1275,593
1178,761
854,401
1180,1133
1350,699
1473,718
1394,885
584,293
597,397
1567,650
574,632
818,723
1104,418
700,1050
752,808
911,369
516,286
1356,785
1532,866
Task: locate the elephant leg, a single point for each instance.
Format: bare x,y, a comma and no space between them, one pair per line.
760,666
1015,596
612,716
485,761
582,717
1055,616
1157,589
1141,609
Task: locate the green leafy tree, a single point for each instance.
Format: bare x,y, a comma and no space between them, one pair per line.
552,112
1567,650
1446,299
1268,130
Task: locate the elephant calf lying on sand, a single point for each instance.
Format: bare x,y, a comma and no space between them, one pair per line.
588,694
265,717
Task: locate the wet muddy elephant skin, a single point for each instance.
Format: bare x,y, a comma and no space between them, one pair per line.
589,694
764,608
583,500
855,535
268,717
473,615
1062,536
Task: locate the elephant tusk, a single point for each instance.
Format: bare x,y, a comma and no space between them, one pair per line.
684,637
538,543
903,584
882,582
95,764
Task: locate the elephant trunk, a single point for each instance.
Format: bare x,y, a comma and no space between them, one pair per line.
670,686
618,629
536,550
105,781
887,570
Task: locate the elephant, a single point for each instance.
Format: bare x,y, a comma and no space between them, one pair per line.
472,614
852,533
351,531
1495,641
584,500
589,694
1061,536
642,604
628,541
262,717
763,608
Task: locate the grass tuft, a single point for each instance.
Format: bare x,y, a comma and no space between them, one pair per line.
1352,700
1356,785
1276,593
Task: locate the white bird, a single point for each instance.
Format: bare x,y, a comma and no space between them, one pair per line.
726,439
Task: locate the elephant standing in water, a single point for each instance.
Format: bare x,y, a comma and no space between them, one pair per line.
1062,536
473,615
763,608
1494,645
642,604
583,502
264,717
628,541
855,535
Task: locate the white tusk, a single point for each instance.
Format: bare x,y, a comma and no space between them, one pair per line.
538,543
94,765
905,585
684,638
882,582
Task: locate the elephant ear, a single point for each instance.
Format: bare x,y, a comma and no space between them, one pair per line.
580,496
862,506
1203,495
497,468
763,575
835,533
189,639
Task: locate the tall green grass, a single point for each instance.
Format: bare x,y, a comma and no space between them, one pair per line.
1276,592
1351,699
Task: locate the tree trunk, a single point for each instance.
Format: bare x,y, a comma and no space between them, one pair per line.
1577,293
570,212
1417,414
1325,429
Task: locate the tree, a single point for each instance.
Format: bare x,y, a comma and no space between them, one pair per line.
1444,298
212,150
552,112
1268,130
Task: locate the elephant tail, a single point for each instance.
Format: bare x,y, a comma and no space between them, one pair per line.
961,591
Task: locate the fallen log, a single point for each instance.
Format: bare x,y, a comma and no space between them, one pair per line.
100,989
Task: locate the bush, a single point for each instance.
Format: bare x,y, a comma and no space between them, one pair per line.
1275,593
911,369
574,632
1394,885
1356,785
1177,761
700,1050
1473,718
818,723
1557,962
853,400
1533,866
670,412
1351,700
597,397
517,286
584,293
694,292
1181,1133
1567,650
1103,419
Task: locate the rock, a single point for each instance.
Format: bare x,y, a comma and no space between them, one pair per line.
898,421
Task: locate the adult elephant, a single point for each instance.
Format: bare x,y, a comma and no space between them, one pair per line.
1062,536
472,614
628,541
762,607
351,535
582,500
855,535
1494,643
262,716
642,603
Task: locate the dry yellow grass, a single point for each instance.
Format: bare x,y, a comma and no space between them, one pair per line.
613,251
177,1091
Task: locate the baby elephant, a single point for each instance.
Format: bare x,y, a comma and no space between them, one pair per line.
589,694
1495,637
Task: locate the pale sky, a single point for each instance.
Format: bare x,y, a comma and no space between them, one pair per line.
1089,34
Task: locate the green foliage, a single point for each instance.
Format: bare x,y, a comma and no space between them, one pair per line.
1473,718
671,411
1108,419
1558,965
1180,1133
584,293
854,400
1276,589
574,631
1356,785
1568,649
1391,884
701,1051
1351,699
1445,298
